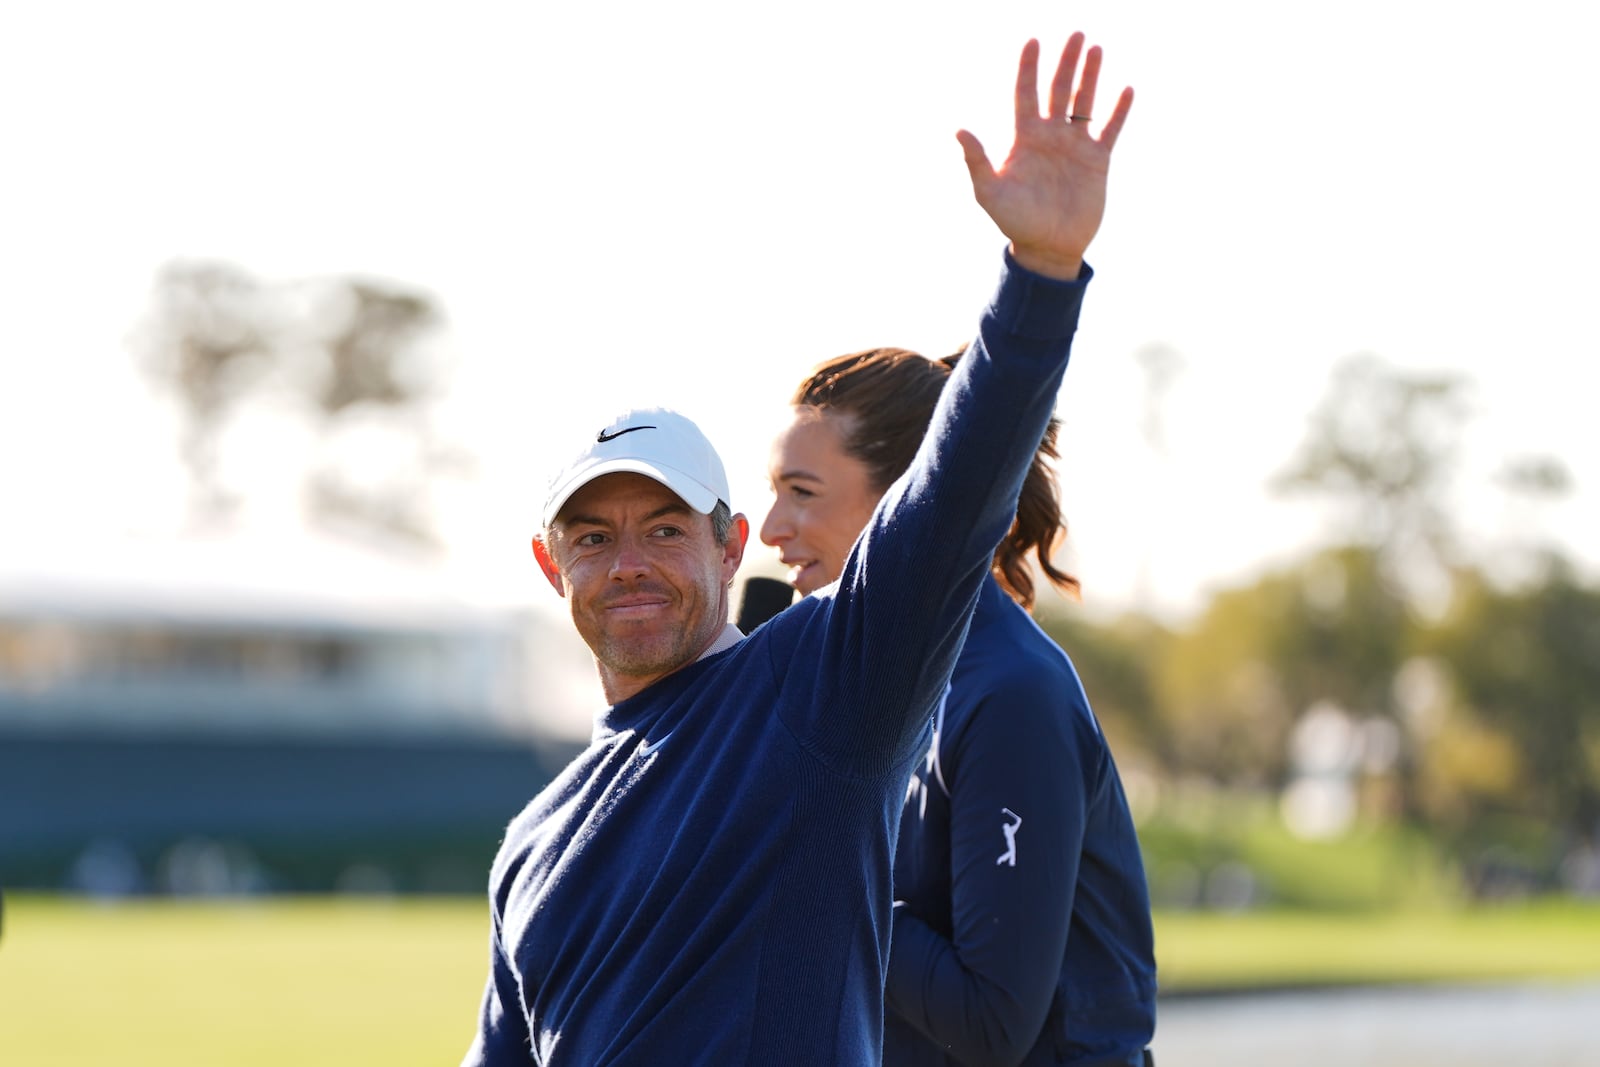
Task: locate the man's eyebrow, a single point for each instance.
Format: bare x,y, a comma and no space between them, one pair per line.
675,508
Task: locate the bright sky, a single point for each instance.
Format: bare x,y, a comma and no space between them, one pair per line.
692,203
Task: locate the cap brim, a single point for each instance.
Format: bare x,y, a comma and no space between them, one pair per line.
696,495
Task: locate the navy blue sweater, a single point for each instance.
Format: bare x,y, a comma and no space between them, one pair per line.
710,882
1023,929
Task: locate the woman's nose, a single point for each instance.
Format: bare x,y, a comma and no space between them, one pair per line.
776,528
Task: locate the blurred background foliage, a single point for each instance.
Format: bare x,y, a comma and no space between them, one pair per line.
347,354
1385,720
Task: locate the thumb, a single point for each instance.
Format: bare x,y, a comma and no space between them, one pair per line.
978,165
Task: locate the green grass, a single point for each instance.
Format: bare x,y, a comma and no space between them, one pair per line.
303,982
318,981
1208,951
1369,869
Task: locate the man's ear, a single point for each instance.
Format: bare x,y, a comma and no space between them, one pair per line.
547,564
733,551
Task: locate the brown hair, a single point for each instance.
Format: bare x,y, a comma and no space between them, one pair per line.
888,396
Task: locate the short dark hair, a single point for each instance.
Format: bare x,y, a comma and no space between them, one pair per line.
887,397
721,522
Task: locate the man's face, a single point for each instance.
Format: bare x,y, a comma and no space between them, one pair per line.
645,576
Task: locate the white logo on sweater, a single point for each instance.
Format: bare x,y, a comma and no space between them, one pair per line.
1008,858
648,748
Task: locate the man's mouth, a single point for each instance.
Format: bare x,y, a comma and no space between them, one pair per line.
627,606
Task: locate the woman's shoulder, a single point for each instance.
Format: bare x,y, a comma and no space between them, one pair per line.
1012,676
1010,643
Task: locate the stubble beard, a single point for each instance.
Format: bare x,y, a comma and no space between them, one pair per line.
644,656
650,655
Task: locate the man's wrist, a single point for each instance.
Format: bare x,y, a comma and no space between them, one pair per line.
1061,268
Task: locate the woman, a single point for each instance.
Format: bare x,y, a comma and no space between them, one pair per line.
1022,921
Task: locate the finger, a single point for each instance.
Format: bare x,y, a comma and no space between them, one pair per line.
1066,70
978,165
1028,84
1083,101
1113,126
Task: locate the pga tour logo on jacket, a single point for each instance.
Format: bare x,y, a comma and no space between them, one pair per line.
1008,826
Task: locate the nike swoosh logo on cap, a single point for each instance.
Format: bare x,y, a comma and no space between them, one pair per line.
603,437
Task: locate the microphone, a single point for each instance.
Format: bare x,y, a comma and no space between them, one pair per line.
763,598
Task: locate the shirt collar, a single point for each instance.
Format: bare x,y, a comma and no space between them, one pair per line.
730,636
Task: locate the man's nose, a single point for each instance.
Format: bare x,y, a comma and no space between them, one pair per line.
631,560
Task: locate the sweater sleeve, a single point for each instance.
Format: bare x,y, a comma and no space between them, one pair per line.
1019,787
901,607
502,1037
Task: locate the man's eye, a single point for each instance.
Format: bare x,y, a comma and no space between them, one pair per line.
666,531
589,540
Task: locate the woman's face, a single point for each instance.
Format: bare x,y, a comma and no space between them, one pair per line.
823,499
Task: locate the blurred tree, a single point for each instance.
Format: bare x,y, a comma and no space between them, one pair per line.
1225,707
1526,666
1536,477
369,354
1236,682
370,381
1345,638
1162,365
1118,663
210,338
1343,634
1532,484
351,354
1382,445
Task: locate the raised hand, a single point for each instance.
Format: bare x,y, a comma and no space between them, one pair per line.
1050,193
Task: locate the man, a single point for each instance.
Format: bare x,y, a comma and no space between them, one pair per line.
709,882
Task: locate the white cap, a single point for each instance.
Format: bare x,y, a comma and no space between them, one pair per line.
655,442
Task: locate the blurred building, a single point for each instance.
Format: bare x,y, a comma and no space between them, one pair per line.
230,717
